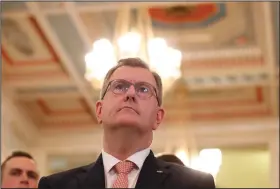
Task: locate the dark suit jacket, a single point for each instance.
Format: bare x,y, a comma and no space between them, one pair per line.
155,174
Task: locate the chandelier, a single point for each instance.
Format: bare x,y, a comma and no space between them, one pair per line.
133,38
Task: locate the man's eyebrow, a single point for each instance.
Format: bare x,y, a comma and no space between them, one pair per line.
28,171
16,169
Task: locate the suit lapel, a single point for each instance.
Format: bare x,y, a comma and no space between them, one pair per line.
152,174
94,176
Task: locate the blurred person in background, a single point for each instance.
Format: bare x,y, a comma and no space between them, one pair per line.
129,109
19,170
171,158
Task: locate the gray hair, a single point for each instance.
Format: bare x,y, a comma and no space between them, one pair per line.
136,63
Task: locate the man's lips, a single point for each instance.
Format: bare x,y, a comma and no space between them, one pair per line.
128,107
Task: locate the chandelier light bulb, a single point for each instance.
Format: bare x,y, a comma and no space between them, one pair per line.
103,46
129,44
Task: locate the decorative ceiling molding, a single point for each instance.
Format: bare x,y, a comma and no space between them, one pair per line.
187,16
228,80
79,81
223,53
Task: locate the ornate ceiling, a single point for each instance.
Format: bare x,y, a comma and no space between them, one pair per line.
228,71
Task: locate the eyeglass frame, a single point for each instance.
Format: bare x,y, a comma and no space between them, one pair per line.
110,82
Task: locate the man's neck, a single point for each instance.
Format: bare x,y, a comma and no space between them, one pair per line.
121,145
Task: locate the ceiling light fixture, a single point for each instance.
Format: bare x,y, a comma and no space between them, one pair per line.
166,61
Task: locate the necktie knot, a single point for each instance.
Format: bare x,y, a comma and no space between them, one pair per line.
124,167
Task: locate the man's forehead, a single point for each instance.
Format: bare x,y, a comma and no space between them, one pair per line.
133,74
21,163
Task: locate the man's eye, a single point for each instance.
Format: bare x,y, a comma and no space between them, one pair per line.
120,87
32,175
143,89
15,173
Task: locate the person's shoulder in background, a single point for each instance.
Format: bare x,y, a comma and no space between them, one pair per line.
64,179
183,175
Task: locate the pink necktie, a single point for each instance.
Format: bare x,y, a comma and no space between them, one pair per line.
123,168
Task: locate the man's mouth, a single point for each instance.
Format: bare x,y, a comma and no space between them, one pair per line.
127,107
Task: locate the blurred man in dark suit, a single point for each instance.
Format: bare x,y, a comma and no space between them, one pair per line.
19,170
170,158
129,109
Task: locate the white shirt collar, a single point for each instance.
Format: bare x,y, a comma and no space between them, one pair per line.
138,158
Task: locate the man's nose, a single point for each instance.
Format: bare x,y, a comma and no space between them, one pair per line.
24,178
130,94
131,91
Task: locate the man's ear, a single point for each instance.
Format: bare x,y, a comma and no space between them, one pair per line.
98,110
159,118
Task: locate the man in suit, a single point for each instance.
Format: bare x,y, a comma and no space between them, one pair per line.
129,110
19,170
170,158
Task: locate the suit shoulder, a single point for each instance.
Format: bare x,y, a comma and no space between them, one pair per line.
62,178
68,173
189,171
197,178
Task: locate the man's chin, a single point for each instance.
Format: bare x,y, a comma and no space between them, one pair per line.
126,123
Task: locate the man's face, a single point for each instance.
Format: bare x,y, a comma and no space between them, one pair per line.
144,114
20,172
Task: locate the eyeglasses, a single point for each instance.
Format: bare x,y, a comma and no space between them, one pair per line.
143,90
